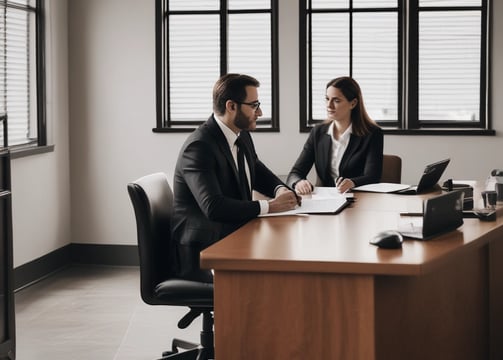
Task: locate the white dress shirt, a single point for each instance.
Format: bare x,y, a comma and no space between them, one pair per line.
231,137
338,149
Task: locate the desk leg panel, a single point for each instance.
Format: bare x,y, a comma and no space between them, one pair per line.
269,315
440,315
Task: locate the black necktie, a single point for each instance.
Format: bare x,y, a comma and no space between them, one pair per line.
243,181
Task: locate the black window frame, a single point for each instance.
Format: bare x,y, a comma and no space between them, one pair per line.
408,122
164,123
38,145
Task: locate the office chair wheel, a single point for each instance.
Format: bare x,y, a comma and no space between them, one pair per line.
178,344
190,354
205,354
184,355
190,350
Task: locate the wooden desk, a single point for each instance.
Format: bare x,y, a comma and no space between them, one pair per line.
314,288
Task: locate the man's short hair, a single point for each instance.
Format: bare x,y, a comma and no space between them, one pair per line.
231,87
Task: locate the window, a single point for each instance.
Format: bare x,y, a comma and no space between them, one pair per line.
22,89
197,42
421,64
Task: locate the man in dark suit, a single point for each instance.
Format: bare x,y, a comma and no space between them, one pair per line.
210,200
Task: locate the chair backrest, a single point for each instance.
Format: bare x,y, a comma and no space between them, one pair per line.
152,200
391,169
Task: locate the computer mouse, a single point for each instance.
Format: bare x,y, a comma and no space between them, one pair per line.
388,239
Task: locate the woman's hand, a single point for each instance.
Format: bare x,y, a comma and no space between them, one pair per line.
344,185
304,187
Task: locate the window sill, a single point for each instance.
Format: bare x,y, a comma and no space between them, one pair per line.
189,130
174,130
442,132
23,151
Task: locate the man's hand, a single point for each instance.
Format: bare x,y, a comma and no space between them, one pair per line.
284,200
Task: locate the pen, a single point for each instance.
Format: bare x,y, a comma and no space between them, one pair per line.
297,196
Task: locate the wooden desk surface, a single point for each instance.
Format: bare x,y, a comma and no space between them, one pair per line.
301,287
340,243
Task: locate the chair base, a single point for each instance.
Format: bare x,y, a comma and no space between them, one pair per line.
184,355
191,351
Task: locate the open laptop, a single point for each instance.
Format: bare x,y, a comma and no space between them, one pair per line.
429,178
441,214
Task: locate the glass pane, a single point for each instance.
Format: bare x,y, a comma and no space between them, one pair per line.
375,62
193,5
371,4
329,4
450,3
449,66
194,65
330,55
2,140
20,85
249,4
3,63
249,53
20,2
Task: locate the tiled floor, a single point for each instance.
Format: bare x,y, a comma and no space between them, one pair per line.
94,313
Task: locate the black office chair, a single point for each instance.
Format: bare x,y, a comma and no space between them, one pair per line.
152,200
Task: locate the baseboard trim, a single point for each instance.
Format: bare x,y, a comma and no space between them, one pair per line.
118,255
37,269
112,255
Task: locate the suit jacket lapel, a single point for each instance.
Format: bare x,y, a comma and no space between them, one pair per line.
325,157
221,142
250,159
354,143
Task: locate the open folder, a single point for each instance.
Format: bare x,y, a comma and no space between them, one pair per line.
322,201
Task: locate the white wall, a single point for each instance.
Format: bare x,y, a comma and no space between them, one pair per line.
112,112
41,183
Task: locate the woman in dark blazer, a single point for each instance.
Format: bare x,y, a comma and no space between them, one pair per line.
347,149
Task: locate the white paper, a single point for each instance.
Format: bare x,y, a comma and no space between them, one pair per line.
320,192
382,187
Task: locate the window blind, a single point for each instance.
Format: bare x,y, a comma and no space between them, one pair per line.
361,44
449,66
17,70
205,38
421,64
194,65
250,52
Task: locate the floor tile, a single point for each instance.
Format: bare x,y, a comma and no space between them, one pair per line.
93,312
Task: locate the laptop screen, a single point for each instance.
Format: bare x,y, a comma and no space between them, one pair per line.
442,213
432,174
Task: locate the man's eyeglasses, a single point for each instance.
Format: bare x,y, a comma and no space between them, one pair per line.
254,105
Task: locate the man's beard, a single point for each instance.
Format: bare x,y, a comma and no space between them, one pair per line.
243,122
